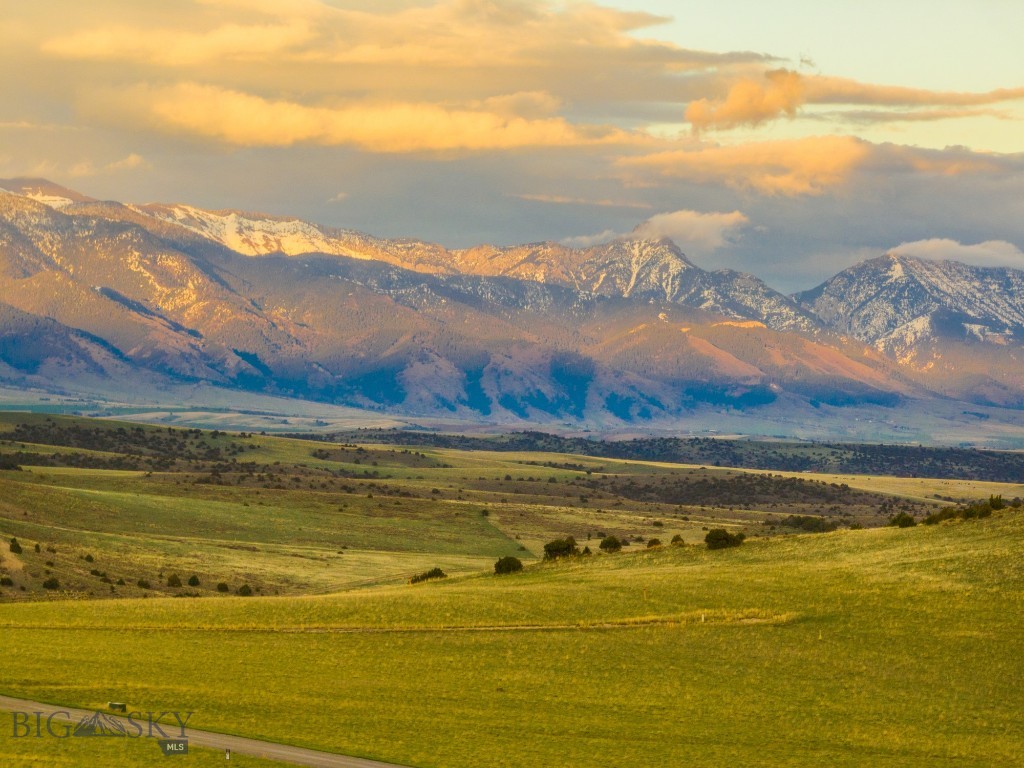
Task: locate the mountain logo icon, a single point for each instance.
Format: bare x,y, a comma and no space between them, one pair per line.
99,724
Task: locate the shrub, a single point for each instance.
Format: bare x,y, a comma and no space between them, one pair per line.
173,581
610,544
143,583
508,564
902,520
560,548
433,573
193,580
38,548
89,558
51,583
245,590
719,538
677,540
223,587
809,523
15,547
6,581
653,543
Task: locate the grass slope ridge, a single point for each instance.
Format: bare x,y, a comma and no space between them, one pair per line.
884,647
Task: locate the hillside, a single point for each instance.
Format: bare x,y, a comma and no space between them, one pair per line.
628,332
839,649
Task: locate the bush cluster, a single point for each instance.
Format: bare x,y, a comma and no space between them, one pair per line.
974,511
610,544
433,573
508,564
561,548
719,538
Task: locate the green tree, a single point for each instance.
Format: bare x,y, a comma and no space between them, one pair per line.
610,544
560,548
508,564
719,538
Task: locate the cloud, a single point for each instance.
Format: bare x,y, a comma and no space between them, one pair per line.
880,116
588,241
810,166
567,200
170,48
338,198
87,168
248,120
693,230
991,253
781,92
791,167
750,102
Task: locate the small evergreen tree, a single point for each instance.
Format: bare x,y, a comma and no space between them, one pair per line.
610,544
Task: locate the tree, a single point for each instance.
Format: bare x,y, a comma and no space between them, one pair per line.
193,580
245,590
677,539
223,587
560,548
902,520
610,544
173,581
719,538
653,543
15,547
508,564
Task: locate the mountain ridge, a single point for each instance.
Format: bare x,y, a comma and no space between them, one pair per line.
628,331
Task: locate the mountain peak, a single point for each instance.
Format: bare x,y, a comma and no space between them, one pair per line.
44,191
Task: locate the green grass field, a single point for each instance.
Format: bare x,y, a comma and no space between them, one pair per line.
881,647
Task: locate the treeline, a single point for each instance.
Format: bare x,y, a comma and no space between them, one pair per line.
170,443
890,460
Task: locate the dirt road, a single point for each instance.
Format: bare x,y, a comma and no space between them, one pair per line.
196,738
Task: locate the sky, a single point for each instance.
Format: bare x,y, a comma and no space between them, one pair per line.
790,139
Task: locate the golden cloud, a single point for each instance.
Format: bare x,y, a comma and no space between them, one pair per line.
750,102
244,119
175,48
753,101
794,167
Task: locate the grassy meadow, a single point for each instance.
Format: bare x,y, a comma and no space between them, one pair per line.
881,647
874,646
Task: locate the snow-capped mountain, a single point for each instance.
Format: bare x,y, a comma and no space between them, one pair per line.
895,302
624,331
960,326
654,270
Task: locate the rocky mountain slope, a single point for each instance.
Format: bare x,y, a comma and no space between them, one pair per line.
623,332
960,328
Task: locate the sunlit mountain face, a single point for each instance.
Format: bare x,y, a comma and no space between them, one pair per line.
97,294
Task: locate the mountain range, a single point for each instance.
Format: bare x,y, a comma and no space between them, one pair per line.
103,296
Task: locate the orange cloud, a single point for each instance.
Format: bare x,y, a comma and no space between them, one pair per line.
837,90
753,101
750,102
178,48
244,119
794,167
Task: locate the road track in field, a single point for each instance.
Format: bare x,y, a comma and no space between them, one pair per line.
239,745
